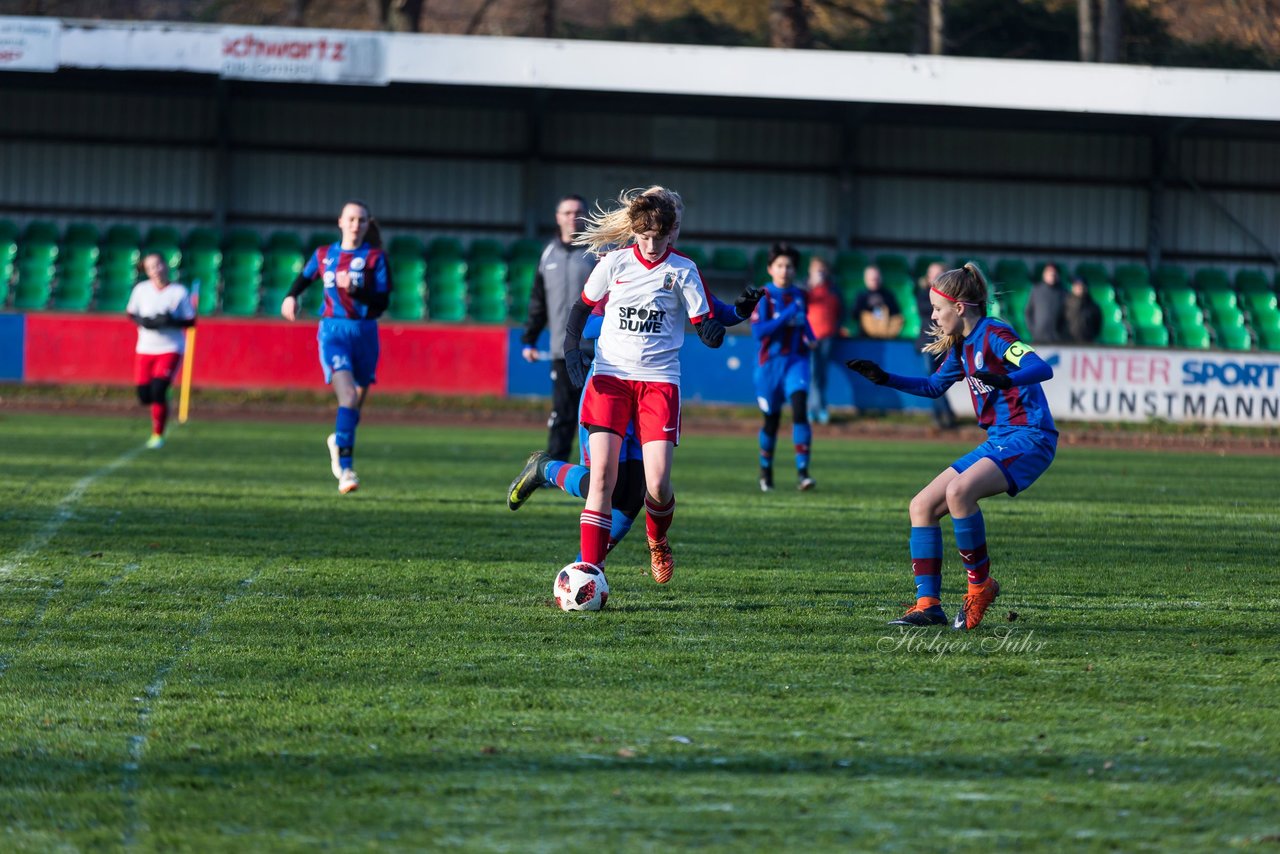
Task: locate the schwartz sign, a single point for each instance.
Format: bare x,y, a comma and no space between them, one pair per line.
1100,384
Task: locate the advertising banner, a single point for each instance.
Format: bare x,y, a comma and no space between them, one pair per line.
304,56
1193,386
29,44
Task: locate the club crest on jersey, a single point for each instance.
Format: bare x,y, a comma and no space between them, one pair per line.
669,282
357,263
978,361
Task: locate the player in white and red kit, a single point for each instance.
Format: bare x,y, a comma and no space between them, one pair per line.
162,310
637,363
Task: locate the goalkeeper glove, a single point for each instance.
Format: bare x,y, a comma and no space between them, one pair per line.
711,331
1000,381
868,369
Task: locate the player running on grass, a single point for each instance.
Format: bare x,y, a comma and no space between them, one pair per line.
637,365
161,309
628,494
1004,376
357,288
781,325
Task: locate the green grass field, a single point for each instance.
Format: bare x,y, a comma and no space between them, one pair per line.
207,648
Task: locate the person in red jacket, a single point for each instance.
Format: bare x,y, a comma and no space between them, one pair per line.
825,311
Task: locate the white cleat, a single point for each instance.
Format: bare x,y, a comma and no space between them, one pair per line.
348,481
334,465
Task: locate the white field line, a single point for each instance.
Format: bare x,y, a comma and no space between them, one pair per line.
132,768
63,512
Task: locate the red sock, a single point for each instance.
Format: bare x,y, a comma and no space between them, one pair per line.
159,415
595,536
657,517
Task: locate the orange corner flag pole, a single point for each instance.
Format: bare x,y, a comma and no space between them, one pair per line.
184,396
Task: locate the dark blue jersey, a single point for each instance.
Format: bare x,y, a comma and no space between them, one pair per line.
780,324
367,268
994,347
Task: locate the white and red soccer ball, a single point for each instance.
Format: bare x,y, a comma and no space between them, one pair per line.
580,587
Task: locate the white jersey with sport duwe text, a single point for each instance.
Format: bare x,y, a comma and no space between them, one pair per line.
643,326
149,301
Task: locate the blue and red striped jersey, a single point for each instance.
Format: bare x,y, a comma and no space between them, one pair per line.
781,331
993,346
367,268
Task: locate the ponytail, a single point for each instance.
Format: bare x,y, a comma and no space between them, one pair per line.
968,285
637,211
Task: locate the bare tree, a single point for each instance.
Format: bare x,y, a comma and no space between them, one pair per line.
1111,40
402,16
1084,9
937,27
789,24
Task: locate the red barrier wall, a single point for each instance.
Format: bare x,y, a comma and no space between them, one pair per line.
427,358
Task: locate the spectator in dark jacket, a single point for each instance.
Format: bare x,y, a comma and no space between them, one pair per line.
1084,317
562,272
1044,317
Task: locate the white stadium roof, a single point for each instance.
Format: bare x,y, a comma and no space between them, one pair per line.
366,58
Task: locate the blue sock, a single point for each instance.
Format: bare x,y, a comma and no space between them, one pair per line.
621,524
344,428
802,436
926,560
573,479
767,444
971,540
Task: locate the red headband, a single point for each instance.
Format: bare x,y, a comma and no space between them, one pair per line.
953,299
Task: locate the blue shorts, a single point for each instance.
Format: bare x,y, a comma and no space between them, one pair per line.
778,379
349,345
1023,455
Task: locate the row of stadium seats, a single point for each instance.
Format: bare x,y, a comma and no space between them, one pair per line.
241,274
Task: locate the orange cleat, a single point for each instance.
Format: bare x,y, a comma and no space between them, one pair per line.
976,602
662,564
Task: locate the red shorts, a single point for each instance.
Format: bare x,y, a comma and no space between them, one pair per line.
154,366
613,403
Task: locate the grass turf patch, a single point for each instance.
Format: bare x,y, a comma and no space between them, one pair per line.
206,647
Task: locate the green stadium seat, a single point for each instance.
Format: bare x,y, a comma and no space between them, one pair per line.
1103,294
445,247
37,252
1130,275
163,235
1211,279
202,238
406,246
1234,337
1191,335
1171,277
520,276
1093,273
242,240
730,259
488,310
486,250
890,262
1260,303
446,311
408,297
285,241
1252,281
1223,305
1151,336
34,284
238,262
697,255
1145,314
1114,334
81,234
9,231
1180,300
6,276
74,289
1011,271
451,269
40,232
8,249
488,270
526,250
1133,293
241,293
1266,324
849,264
122,236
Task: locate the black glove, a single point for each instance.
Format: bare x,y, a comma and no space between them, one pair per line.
745,304
868,369
1000,381
151,322
711,331
577,364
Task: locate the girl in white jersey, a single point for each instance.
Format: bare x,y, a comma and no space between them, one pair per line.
637,364
162,310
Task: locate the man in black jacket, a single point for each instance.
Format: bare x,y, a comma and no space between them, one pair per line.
562,272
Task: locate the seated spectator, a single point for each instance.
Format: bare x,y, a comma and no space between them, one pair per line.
876,309
1083,316
1044,317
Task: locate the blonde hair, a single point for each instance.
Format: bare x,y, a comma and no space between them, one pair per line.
967,285
637,211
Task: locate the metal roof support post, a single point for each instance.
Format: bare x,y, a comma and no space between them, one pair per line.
222,155
534,124
846,186
1161,146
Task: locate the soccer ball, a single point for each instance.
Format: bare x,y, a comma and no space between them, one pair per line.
580,587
